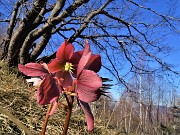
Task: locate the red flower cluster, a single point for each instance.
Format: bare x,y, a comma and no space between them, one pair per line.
73,73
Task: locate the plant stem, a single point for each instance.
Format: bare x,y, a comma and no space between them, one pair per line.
46,119
68,115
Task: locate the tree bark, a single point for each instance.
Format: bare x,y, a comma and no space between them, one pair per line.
25,27
37,33
46,36
10,29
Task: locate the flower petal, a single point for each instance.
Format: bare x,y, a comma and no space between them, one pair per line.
88,96
94,63
75,60
82,63
33,69
48,92
45,65
66,76
69,51
84,59
86,48
54,108
65,52
76,57
89,80
55,66
88,115
88,84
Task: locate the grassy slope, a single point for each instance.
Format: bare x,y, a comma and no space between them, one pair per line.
19,99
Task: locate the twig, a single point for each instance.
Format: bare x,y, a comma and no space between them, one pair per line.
46,119
68,115
110,118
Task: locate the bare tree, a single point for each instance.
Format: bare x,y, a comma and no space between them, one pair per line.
114,27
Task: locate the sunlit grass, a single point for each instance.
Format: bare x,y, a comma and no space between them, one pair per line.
19,99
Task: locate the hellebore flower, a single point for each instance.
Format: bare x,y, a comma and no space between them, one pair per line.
94,62
66,62
63,64
63,58
49,86
87,86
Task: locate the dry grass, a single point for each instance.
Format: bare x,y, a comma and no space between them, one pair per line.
19,99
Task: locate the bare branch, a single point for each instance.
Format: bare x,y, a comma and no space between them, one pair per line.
51,23
46,36
128,25
112,64
6,20
163,16
87,20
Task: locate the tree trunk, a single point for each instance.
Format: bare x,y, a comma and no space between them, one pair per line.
10,29
25,27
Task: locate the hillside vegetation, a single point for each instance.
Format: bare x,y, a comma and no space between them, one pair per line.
18,105
19,99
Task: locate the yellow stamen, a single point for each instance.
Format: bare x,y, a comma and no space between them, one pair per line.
73,94
68,92
68,67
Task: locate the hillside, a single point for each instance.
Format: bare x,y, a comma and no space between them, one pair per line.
19,99
18,103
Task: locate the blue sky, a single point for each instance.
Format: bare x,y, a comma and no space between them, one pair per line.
174,57
172,39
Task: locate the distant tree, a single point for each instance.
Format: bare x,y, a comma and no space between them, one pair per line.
119,30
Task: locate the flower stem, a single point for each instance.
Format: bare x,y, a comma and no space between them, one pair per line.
68,115
46,119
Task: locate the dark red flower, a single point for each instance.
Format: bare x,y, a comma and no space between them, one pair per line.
81,65
65,63
48,91
49,88
63,56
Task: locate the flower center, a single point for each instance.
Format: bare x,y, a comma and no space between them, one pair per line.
68,67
